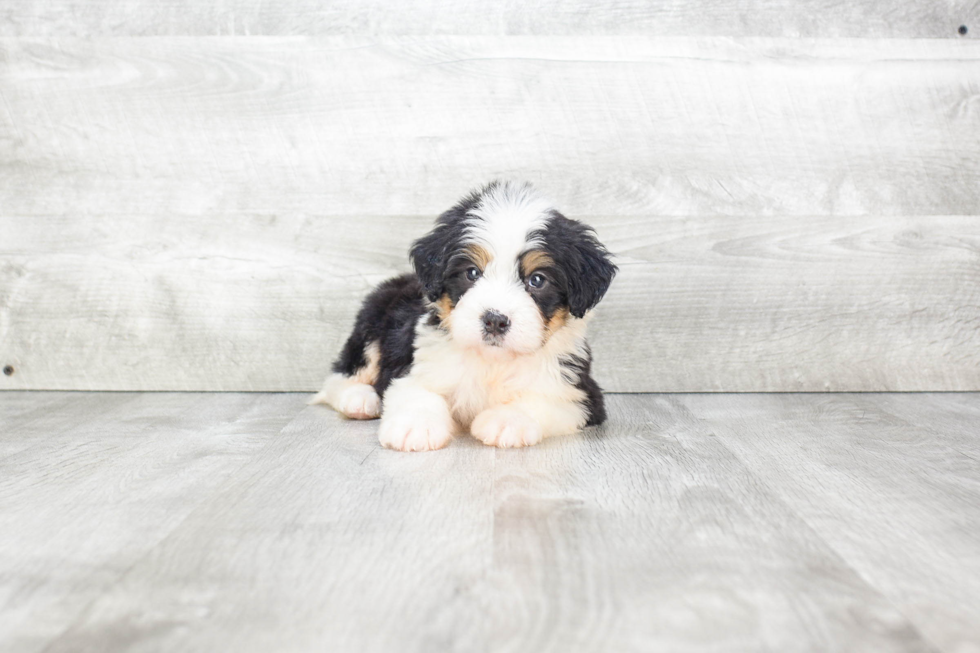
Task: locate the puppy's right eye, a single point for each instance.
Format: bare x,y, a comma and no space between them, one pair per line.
473,274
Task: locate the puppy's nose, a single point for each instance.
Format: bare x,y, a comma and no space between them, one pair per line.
495,324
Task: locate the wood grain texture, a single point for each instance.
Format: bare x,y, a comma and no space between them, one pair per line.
325,541
190,213
28,419
247,302
90,488
609,125
790,304
892,483
810,18
648,534
24,407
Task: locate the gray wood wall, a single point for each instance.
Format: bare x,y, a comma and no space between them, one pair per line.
196,197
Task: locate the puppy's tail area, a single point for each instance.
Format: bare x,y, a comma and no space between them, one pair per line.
349,397
328,393
319,398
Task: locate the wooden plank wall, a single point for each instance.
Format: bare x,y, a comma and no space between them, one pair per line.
196,199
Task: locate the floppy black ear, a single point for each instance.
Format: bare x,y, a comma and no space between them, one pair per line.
429,255
584,260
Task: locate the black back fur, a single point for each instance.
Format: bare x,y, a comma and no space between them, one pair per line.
387,316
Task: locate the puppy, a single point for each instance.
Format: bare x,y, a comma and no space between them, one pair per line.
487,336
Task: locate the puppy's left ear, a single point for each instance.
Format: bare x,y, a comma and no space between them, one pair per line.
584,260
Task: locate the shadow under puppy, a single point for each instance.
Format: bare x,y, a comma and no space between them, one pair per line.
488,335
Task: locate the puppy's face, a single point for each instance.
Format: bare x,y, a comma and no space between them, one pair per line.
504,270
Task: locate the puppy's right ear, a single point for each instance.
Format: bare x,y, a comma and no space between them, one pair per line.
429,255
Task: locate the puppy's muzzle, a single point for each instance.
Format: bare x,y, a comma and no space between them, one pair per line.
495,324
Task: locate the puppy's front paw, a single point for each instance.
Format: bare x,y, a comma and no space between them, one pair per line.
414,431
359,401
505,426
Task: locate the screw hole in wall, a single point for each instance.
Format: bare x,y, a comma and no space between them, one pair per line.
962,30
8,370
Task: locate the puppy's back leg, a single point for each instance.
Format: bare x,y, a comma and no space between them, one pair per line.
350,390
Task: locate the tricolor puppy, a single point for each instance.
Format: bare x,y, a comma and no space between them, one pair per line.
488,335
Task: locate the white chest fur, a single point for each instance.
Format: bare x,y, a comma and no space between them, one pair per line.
472,380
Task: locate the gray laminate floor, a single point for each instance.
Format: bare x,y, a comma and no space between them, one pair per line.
249,522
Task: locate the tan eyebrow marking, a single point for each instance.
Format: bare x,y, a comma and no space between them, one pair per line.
533,260
480,256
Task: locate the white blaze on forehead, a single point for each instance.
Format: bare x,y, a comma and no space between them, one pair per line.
506,214
500,223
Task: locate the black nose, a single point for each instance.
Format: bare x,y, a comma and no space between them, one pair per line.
495,324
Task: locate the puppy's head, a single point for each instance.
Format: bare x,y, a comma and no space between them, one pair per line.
504,270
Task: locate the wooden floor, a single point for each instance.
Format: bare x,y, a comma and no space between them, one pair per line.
249,522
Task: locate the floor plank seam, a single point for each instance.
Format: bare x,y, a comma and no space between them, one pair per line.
84,612
777,497
833,522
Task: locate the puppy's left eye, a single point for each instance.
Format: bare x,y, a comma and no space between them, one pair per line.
473,274
536,280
